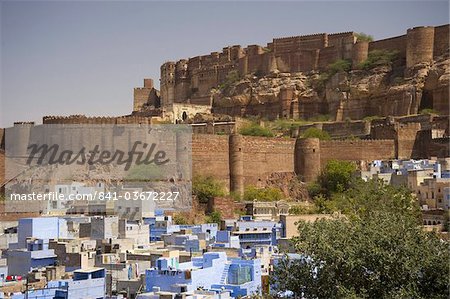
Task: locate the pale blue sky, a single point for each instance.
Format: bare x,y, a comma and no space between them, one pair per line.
61,58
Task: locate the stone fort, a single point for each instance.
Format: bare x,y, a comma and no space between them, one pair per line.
189,81
239,161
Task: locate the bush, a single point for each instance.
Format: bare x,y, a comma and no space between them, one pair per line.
363,37
378,58
372,117
428,111
336,177
180,219
316,133
214,217
256,130
320,118
206,188
302,210
265,194
341,65
231,78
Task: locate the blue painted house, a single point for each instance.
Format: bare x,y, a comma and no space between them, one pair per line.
87,283
212,271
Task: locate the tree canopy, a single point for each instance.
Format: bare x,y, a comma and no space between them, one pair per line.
263,194
335,177
377,249
316,133
206,188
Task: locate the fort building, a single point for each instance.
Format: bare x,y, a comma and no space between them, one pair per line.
190,81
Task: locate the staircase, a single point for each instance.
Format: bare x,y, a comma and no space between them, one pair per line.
223,278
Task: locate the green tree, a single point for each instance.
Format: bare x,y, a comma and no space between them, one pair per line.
336,177
316,133
361,198
206,188
378,250
263,194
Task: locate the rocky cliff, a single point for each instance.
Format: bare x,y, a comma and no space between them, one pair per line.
382,90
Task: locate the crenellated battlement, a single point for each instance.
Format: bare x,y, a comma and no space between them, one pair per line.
300,36
82,119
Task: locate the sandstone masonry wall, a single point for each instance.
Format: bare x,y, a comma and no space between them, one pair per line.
356,150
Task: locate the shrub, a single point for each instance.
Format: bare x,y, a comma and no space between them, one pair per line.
428,111
256,130
263,194
302,210
316,133
214,217
372,117
363,37
231,78
320,118
322,80
206,188
180,219
341,65
378,58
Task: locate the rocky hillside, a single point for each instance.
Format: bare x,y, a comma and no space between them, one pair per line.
383,88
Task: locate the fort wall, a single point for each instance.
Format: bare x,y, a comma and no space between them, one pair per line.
263,156
397,43
419,45
2,167
210,156
340,129
360,52
356,150
246,160
97,120
441,40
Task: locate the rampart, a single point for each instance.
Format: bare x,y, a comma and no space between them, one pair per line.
240,161
233,158
97,120
356,150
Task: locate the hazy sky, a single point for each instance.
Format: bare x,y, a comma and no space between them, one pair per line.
62,58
